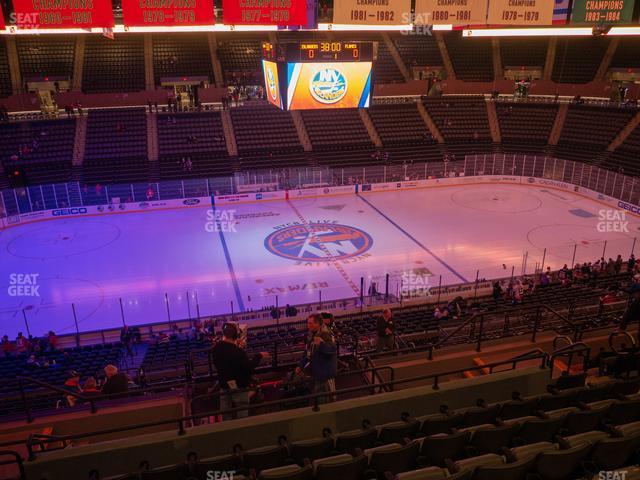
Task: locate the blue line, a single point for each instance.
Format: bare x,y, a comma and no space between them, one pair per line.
411,237
232,273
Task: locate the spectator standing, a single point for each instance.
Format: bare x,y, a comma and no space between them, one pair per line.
235,371
386,331
321,358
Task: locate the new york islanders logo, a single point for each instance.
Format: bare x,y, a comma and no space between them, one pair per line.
318,242
328,85
271,84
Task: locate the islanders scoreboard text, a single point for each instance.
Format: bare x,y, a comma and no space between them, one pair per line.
318,75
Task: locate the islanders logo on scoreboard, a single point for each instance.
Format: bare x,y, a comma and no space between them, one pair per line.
328,85
318,242
272,85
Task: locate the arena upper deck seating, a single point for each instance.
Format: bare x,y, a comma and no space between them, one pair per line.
103,57
471,57
181,55
116,146
5,78
525,127
262,129
240,56
460,119
331,129
588,131
400,123
46,56
627,55
418,50
517,52
624,158
197,136
572,65
46,145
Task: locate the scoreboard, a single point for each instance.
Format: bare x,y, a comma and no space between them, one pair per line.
318,75
326,52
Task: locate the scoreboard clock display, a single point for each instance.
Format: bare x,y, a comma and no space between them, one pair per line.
602,11
327,52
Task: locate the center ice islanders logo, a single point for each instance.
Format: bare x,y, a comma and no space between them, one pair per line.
318,242
328,85
271,84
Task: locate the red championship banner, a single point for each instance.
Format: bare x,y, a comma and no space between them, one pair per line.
264,12
148,13
2,24
63,13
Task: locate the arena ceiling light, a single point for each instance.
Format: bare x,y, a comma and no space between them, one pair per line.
12,30
345,27
543,32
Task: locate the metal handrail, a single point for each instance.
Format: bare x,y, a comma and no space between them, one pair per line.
615,333
17,459
570,350
561,337
39,439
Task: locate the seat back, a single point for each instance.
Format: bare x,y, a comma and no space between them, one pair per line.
561,464
394,460
492,440
510,471
439,448
350,470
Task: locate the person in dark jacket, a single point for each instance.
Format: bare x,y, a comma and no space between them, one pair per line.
235,370
116,382
632,313
321,358
386,331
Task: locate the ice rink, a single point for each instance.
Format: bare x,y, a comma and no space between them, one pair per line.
247,254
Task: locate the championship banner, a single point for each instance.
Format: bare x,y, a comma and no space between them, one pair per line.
2,24
143,13
372,12
602,11
451,12
521,12
328,85
260,12
63,13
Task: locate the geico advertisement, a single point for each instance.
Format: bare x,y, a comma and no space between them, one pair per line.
272,83
328,85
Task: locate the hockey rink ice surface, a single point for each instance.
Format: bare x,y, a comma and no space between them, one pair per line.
249,253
